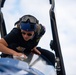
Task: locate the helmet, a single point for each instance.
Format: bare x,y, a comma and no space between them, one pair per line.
27,23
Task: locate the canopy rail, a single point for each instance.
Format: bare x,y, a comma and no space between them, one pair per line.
55,44
2,22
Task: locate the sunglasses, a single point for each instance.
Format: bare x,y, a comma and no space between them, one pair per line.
30,18
29,34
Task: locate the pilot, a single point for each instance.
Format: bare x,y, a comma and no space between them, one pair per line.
24,38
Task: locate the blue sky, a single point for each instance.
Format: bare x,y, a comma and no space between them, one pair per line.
66,23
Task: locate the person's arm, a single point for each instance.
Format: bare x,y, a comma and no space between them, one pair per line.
6,50
36,51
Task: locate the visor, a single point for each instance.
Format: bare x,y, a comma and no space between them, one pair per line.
25,18
31,19
28,26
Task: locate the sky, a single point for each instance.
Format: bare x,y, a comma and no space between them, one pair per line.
65,17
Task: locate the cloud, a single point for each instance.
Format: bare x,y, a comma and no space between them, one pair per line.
66,23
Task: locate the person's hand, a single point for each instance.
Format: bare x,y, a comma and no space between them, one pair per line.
19,56
36,51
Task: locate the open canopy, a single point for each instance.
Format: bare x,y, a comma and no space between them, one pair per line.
54,45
